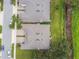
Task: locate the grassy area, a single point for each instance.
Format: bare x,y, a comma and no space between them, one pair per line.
58,26
23,54
12,54
57,19
0,28
75,28
1,5
13,2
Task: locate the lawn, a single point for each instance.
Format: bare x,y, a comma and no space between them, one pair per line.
57,19
1,5
23,54
75,28
0,29
57,32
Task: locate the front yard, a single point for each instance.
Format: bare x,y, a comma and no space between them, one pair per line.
23,54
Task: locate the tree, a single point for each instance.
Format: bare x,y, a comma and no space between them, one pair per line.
13,2
18,22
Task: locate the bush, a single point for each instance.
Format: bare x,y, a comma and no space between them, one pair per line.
18,22
13,2
1,6
18,45
0,29
58,50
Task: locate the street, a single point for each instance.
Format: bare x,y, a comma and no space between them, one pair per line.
6,36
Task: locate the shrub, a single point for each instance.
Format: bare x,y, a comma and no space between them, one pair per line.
18,22
57,51
13,2
0,29
1,6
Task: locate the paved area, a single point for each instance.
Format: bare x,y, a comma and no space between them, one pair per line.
34,10
6,42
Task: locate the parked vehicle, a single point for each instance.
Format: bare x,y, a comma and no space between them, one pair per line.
9,54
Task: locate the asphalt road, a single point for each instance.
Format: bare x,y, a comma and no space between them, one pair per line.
6,41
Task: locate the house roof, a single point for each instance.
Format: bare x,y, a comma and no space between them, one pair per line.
36,36
34,10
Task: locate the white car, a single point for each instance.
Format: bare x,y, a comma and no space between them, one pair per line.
9,54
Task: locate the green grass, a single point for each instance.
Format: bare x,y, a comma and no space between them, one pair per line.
23,54
75,29
12,54
0,29
58,22
13,2
57,19
1,5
